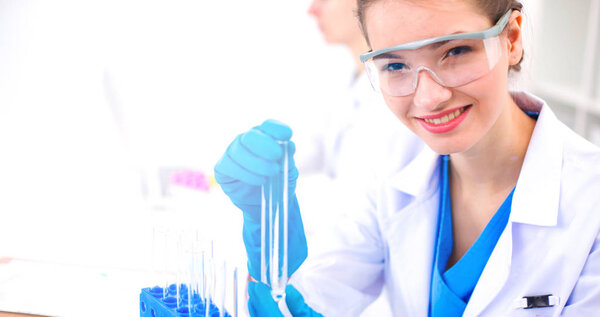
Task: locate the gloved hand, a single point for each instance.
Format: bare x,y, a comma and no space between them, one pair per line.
246,165
261,304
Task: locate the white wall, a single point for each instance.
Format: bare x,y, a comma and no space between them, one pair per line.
94,92
96,96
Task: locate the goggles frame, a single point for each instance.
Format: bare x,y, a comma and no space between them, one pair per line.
491,32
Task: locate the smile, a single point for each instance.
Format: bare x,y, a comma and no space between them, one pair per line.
444,122
447,117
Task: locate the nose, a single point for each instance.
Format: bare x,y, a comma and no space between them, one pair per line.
429,94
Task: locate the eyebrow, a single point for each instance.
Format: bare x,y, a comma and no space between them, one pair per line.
431,46
442,43
437,45
387,55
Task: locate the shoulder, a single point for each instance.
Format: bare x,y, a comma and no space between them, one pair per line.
561,171
580,154
580,171
552,138
581,158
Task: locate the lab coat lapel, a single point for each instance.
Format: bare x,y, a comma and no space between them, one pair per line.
532,204
416,178
416,232
494,275
537,195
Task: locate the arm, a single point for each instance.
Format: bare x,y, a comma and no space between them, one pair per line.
344,271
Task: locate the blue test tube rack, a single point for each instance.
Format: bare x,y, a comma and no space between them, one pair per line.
154,303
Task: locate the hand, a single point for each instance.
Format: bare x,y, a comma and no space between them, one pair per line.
262,304
246,165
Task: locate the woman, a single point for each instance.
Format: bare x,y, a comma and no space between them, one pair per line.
498,217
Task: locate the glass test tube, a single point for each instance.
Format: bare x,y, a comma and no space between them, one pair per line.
159,251
274,229
235,293
210,281
181,273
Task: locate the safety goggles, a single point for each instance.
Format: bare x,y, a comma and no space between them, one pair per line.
451,60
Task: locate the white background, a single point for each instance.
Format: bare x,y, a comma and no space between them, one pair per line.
97,97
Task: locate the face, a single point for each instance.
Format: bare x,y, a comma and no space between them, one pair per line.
449,120
336,20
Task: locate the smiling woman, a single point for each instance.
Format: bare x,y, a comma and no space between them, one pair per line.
497,215
434,76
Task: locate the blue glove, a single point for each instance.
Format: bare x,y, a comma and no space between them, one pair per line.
261,304
246,165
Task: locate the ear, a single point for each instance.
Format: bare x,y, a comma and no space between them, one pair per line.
515,40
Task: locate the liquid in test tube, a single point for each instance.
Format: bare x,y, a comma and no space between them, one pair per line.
274,229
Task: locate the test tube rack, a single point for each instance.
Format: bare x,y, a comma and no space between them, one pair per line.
154,302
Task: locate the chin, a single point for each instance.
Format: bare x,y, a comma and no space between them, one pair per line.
448,146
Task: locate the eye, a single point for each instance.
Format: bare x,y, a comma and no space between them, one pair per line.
394,67
459,50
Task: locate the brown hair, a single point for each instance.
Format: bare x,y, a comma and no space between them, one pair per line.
493,9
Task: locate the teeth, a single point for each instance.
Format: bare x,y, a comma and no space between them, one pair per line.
446,118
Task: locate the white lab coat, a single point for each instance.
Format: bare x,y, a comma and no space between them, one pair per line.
550,244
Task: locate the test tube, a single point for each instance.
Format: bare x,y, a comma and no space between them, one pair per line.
181,277
235,293
210,276
169,242
274,229
158,261
222,289
196,271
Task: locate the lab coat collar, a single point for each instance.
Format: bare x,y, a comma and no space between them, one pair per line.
536,197
416,177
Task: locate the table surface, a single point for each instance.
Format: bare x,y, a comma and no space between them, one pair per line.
33,288
8,314
41,288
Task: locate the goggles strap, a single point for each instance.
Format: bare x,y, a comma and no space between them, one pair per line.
493,50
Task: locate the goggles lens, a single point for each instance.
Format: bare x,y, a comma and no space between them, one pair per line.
451,63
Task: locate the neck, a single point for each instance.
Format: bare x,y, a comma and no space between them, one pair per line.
493,165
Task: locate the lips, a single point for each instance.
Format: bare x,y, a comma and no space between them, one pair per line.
445,118
444,122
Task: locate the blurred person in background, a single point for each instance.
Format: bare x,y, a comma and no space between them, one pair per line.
338,25
356,130
351,132
341,147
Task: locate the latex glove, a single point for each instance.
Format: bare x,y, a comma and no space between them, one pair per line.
260,302
249,160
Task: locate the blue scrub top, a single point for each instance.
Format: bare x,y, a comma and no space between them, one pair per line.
452,288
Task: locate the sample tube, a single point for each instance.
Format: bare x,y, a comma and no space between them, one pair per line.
274,229
235,293
182,273
222,285
196,272
159,251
